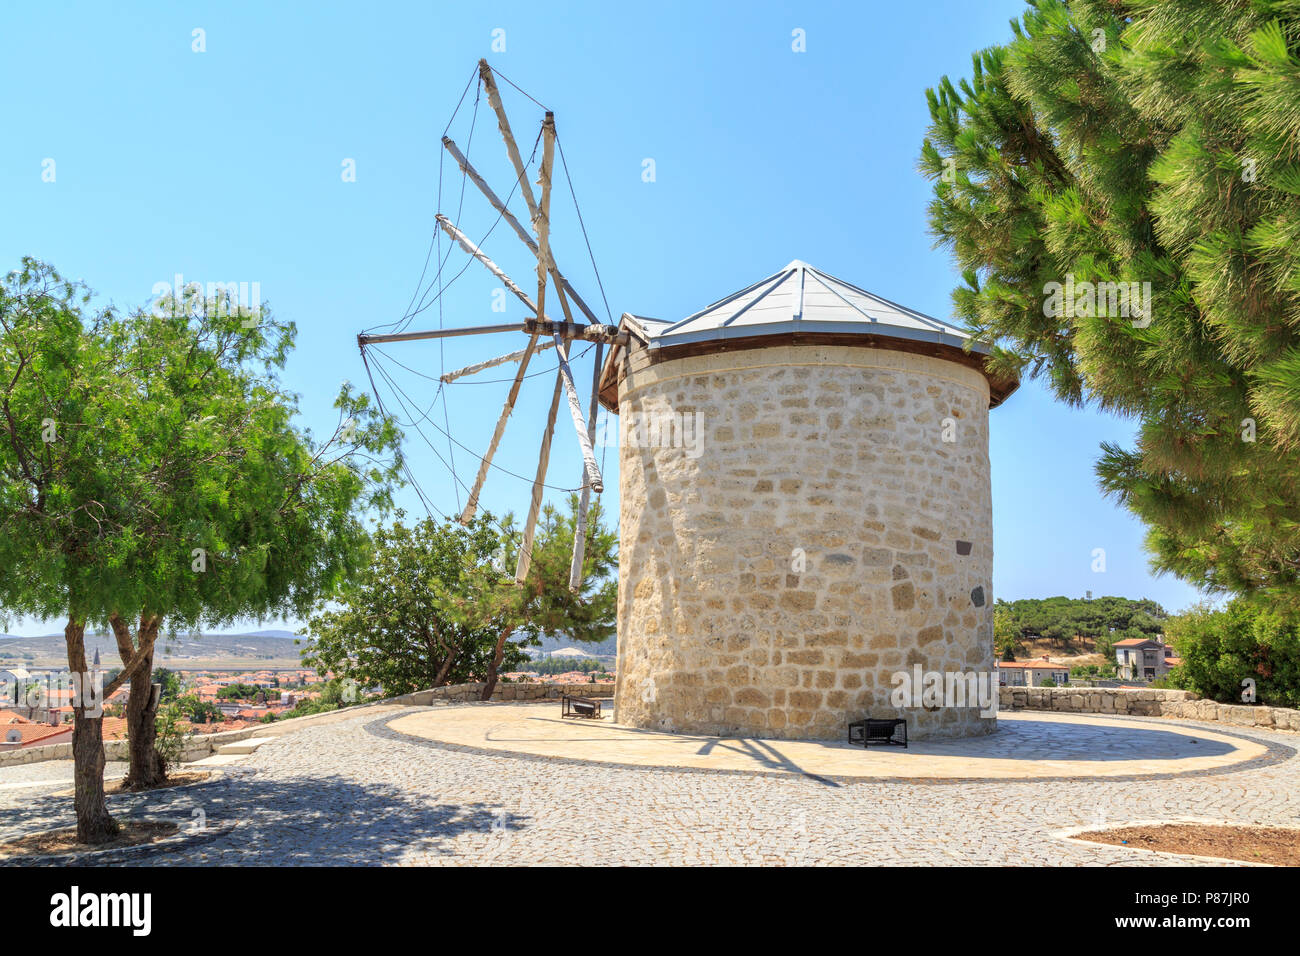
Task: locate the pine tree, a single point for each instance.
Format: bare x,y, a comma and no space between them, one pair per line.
1152,141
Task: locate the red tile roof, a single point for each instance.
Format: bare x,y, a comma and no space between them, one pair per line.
1034,665
31,734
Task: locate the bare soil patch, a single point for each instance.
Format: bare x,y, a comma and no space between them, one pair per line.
132,833
173,780
1279,846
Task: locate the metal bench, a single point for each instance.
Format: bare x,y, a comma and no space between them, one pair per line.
580,707
891,730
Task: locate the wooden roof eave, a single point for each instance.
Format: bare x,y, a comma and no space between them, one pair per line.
607,392
999,388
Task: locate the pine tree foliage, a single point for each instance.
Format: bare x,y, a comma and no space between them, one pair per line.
1146,141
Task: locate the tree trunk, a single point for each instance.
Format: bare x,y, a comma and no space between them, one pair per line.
445,669
148,769
493,667
94,824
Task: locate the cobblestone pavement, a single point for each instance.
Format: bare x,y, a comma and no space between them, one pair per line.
354,792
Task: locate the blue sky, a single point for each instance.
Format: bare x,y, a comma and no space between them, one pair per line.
227,165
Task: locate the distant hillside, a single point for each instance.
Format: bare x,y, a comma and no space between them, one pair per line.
1073,626
605,648
264,649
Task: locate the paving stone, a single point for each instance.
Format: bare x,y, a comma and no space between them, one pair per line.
349,793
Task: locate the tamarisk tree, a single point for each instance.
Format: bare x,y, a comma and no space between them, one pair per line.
1120,185
438,603
395,625
152,476
543,602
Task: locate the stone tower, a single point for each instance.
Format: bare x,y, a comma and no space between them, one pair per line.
805,512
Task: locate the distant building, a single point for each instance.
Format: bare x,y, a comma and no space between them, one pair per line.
13,679
17,731
1031,673
1146,660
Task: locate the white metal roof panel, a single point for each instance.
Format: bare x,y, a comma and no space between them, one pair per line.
803,298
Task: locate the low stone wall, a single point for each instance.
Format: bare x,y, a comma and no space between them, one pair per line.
198,747
503,691
1140,702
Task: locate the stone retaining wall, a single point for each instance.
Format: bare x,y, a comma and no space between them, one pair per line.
196,748
200,746
1145,703
503,691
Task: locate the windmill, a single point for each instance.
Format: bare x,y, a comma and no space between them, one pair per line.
541,330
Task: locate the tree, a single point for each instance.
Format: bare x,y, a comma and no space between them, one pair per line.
150,471
1220,649
1151,142
396,625
1006,632
197,711
543,603
1101,620
238,692
437,604
170,681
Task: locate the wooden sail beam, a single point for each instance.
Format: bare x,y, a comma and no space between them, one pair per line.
542,222
545,261
468,245
592,470
492,363
590,333
515,224
535,504
471,506
364,340
584,502
543,225
535,212
503,123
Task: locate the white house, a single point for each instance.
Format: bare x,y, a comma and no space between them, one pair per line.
1140,659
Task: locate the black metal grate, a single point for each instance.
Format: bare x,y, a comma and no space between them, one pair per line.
580,707
874,730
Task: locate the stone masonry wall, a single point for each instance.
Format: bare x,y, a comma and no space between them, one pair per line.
1145,703
833,456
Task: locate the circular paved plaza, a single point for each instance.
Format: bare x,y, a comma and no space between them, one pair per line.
511,783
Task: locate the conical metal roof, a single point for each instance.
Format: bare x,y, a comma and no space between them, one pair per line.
802,298
800,305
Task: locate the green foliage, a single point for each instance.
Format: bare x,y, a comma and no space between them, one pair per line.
397,624
437,597
150,463
172,734
197,711
151,470
562,665
240,692
332,697
1147,141
170,681
1084,671
1006,632
1046,682
1221,648
1103,620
